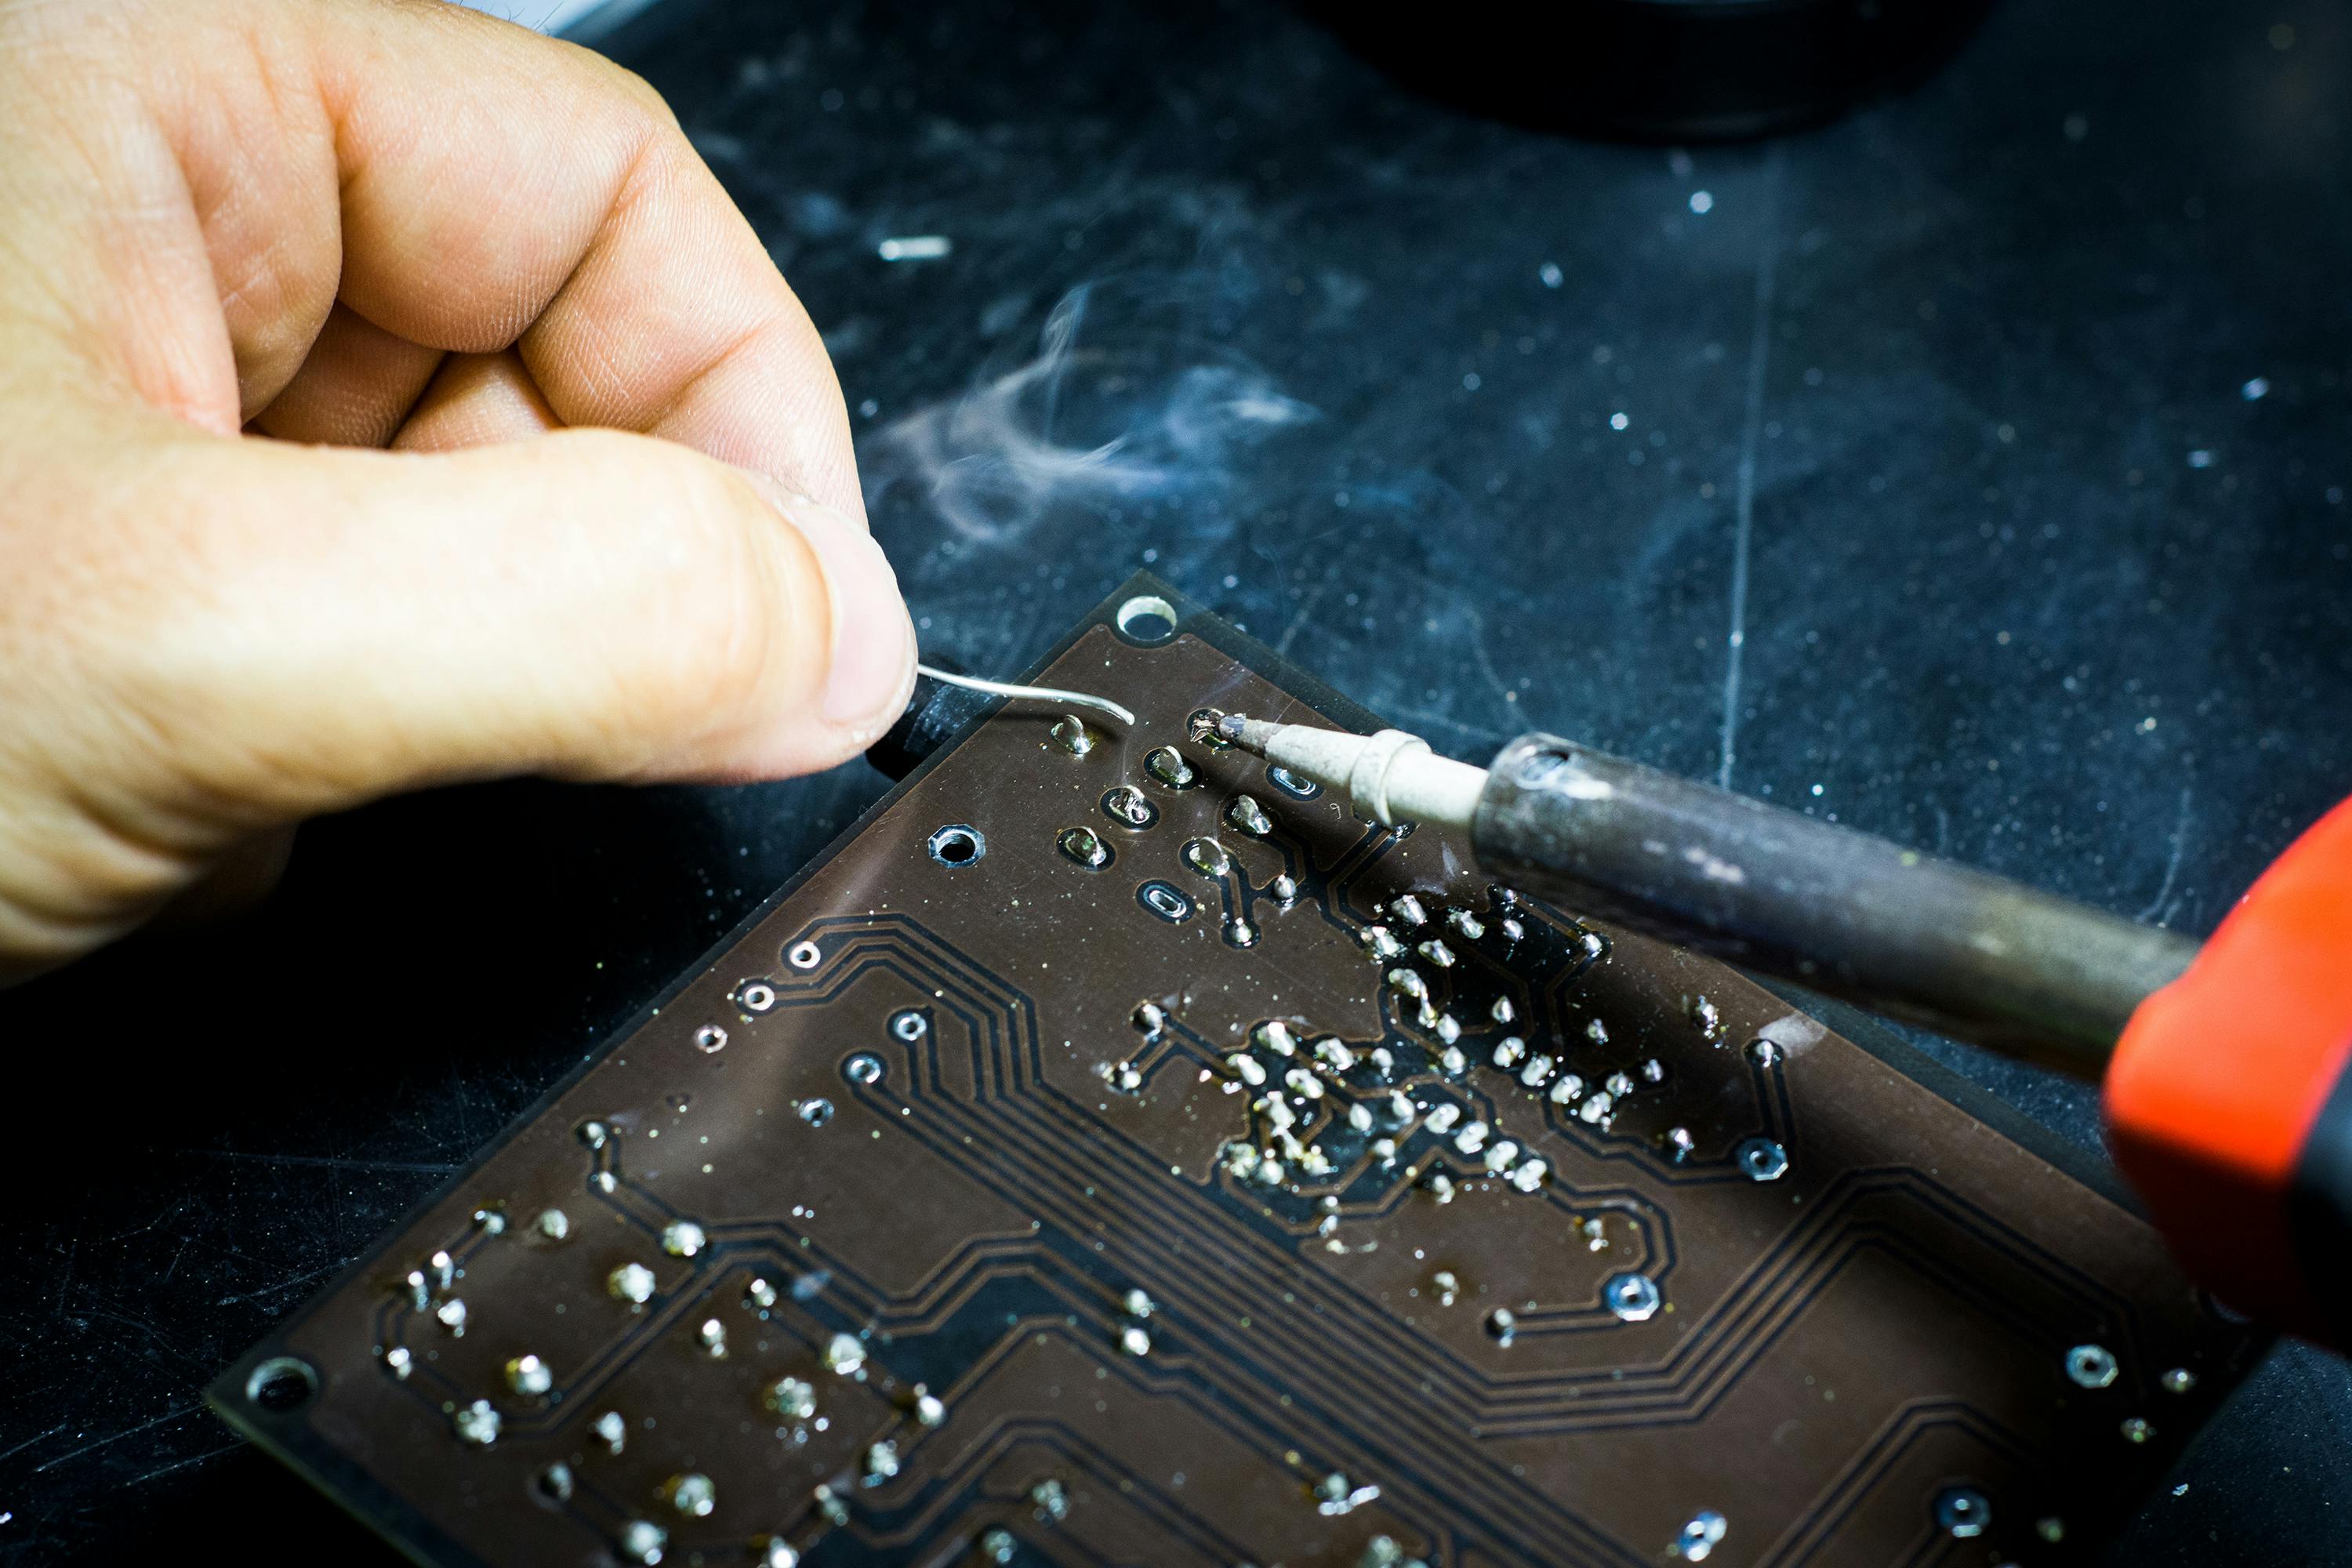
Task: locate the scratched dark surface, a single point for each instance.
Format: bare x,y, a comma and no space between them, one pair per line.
1982,482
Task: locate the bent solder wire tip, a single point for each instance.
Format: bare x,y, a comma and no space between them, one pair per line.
1029,693
1389,777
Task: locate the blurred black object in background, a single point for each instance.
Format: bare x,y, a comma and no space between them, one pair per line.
1664,70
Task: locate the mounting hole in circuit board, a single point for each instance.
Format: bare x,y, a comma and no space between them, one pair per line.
1147,620
1166,900
958,845
281,1384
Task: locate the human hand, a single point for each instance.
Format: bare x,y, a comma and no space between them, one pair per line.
246,245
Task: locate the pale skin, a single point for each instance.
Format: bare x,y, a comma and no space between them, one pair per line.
388,397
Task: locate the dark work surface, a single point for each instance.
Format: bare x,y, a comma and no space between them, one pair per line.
1982,482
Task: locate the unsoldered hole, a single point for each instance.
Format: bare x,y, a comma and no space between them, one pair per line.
710,1037
958,845
1290,784
281,1384
803,955
1148,619
1165,900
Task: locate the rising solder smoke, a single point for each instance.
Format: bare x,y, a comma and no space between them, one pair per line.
1091,420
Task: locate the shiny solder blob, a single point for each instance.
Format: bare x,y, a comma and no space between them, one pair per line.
792,1398
693,1494
476,1425
1206,856
1129,806
1245,814
1700,1537
526,1374
1167,765
1085,846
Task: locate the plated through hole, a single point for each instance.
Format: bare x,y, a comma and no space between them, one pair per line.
958,845
1146,619
1166,900
1290,784
281,1384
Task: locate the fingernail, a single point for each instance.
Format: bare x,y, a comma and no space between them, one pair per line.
872,642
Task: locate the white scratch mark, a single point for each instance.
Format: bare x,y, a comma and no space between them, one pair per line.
183,1464
1306,609
1495,680
30,1441
282,1286
2172,865
117,1437
1423,716
1759,347
323,1163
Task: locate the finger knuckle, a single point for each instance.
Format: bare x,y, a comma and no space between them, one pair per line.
642,97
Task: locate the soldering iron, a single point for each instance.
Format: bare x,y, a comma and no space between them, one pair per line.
2227,1100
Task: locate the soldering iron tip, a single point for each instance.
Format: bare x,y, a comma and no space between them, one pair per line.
1252,735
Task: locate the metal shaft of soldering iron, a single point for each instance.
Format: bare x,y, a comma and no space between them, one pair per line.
1832,910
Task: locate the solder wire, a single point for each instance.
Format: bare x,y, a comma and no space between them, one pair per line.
1029,693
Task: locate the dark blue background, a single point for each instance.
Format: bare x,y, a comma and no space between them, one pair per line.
1944,417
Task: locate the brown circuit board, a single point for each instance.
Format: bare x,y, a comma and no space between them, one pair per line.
1113,1153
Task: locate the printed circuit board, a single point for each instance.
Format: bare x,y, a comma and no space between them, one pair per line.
1113,1153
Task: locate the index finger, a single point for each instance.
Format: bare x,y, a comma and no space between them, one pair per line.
483,163
464,184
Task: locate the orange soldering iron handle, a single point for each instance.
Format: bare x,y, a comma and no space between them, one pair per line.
2228,1104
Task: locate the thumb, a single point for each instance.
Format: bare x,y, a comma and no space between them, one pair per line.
587,604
